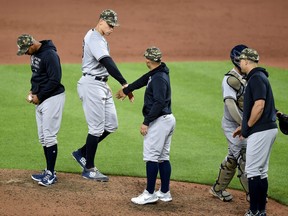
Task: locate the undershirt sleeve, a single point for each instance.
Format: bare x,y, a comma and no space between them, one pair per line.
112,69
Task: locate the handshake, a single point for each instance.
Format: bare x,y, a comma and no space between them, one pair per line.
121,95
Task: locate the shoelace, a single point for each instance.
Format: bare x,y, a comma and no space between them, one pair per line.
47,177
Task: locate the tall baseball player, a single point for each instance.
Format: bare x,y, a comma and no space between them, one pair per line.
47,93
233,86
157,127
95,94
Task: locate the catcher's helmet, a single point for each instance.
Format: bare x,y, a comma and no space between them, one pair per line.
235,53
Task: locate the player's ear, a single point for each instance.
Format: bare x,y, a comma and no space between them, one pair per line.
101,21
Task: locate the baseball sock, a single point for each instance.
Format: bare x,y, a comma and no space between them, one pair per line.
45,154
52,152
165,173
254,191
263,194
103,136
151,172
91,148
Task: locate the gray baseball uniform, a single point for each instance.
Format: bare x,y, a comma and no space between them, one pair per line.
228,122
157,142
48,117
233,86
95,94
96,97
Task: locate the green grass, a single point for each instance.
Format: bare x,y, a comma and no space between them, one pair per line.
198,145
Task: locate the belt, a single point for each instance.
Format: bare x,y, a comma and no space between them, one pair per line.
103,78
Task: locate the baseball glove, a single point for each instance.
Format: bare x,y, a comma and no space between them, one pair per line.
283,122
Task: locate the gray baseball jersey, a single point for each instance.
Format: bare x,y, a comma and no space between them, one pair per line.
229,91
228,123
95,47
96,96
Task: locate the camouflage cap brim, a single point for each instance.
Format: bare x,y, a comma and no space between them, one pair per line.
109,22
22,50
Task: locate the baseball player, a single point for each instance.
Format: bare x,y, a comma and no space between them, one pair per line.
233,85
157,127
259,127
47,93
95,94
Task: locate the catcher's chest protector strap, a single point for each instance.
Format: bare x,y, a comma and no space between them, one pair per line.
237,82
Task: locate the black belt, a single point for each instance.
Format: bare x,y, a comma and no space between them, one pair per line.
103,78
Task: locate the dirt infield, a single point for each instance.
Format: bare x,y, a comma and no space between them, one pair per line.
73,195
184,30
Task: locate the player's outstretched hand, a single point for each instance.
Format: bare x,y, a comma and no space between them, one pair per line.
131,97
121,95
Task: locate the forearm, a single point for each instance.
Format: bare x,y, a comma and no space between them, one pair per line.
233,110
256,112
137,84
112,69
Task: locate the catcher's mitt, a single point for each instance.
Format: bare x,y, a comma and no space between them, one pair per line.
283,122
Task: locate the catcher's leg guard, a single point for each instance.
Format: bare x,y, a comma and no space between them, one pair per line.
241,172
226,173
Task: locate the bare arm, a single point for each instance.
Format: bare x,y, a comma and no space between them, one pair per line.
256,112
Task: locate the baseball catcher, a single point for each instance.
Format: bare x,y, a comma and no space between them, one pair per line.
233,86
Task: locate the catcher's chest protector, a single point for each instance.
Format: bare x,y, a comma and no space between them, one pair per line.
237,82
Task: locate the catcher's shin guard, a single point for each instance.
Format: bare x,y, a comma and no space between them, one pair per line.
226,173
241,172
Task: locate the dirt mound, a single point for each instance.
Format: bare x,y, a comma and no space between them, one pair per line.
73,195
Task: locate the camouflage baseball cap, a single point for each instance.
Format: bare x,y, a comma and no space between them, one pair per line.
24,41
249,54
153,54
110,17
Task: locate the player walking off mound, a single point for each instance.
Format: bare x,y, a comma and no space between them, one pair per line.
233,86
95,94
47,93
157,127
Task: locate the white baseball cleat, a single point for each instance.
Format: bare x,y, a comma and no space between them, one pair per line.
145,198
165,197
